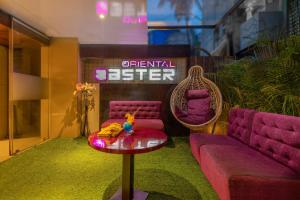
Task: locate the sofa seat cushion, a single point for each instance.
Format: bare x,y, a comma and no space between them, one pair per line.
239,172
197,140
138,123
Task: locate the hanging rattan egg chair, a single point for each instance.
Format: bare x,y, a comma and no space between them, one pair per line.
196,81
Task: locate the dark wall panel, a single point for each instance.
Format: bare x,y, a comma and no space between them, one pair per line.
158,92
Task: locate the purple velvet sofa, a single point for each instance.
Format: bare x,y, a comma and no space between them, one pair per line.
148,116
258,159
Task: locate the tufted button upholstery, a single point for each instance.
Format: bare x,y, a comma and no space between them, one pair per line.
277,136
240,124
148,109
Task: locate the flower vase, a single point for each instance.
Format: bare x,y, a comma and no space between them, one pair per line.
85,130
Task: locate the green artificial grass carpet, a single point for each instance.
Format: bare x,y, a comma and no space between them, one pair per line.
68,169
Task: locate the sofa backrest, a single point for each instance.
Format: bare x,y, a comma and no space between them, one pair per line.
240,124
277,136
147,109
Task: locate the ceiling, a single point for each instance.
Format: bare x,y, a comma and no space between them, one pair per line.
79,18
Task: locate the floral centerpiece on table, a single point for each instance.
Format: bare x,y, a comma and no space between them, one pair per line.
85,94
114,129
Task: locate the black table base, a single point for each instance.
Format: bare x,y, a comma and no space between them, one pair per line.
127,192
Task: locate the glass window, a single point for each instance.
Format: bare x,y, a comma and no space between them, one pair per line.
26,98
27,55
187,12
4,49
233,25
264,20
195,37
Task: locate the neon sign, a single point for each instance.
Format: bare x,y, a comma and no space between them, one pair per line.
147,63
135,20
139,71
127,11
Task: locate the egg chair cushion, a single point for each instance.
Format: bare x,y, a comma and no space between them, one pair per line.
197,94
180,113
198,107
197,119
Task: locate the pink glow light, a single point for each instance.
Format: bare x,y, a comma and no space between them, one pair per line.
135,20
99,143
102,8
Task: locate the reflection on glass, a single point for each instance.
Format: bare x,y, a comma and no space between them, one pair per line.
264,20
129,12
102,8
167,37
26,119
129,9
194,37
188,12
213,10
26,111
4,133
27,55
139,140
116,9
4,42
234,31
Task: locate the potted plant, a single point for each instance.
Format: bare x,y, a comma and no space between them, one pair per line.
84,93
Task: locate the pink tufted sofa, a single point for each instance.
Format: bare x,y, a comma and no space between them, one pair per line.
258,159
148,116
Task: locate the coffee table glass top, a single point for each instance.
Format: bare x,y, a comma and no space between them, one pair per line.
141,141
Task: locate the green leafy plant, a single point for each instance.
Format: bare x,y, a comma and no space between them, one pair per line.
269,82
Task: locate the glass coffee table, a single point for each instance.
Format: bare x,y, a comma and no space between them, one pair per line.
141,141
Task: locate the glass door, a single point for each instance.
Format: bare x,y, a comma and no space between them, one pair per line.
28,90
4,133
24,72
